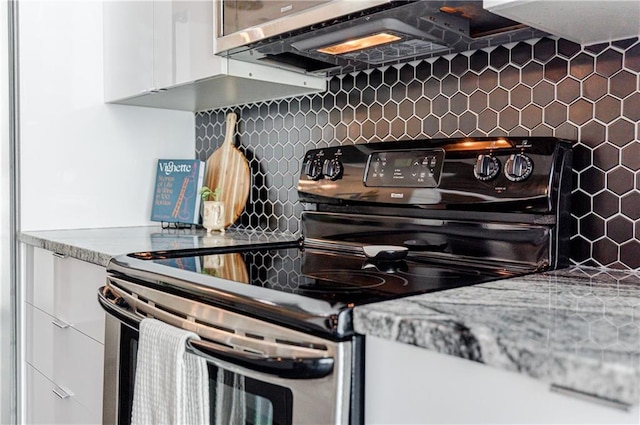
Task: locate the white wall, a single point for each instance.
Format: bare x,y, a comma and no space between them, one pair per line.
83,163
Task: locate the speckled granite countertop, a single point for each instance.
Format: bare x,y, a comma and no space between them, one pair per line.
99,245
576,328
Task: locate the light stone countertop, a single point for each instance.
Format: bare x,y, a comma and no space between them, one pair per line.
578,328
99,245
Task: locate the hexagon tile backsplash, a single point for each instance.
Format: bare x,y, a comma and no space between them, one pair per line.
543,87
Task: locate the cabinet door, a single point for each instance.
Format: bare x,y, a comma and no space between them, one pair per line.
410,385
153,45
48,404
39,274
128,48
183,42
76,295
66,288
65,356
195,38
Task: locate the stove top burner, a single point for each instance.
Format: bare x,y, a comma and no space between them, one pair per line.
345,281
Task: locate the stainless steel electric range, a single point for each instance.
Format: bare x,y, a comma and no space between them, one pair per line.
380,221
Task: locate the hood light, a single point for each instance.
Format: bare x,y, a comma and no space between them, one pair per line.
359,44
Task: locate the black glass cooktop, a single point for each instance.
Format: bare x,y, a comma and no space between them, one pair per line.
306,288
339,278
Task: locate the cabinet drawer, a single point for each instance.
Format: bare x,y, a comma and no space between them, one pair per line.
39,284
66,288
75,295
65,356
44,406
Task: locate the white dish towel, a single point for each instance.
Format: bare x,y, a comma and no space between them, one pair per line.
171,385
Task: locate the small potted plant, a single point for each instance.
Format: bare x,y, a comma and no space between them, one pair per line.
212,209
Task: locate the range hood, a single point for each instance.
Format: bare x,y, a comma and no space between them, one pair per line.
386,33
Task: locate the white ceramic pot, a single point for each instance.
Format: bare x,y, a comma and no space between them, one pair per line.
213,216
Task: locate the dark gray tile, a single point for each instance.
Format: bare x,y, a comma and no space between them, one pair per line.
509,77
621,132
508,119
556,69
630,205
520,96
580,203
608,108
521,53
605,251
440,68
499,57
568,90
632,58
622,84
608,62
555,114
591,226
459,64
498,99
631,155
544,49
423,70
581,111
531,116
478,61
531,74
469,83
567,48
620,180
606,156
543,93
630,254
605,204
631,107
592,180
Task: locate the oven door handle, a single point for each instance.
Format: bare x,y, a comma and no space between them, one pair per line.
283,367
289,368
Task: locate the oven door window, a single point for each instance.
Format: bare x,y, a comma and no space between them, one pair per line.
234,399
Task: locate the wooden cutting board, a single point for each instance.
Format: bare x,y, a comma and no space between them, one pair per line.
227,168
226,266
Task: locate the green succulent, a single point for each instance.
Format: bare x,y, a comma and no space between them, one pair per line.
206,193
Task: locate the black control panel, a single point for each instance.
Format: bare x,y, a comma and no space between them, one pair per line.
438,173
419,168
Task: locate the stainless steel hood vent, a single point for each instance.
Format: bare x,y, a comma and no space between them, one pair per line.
393,32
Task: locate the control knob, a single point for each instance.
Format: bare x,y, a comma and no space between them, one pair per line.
487,167
313,169
518,167
332,169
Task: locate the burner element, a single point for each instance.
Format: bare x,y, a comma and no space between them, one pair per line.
345,280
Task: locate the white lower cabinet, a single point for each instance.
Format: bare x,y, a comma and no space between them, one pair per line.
66,356
405,384
48,404
63,339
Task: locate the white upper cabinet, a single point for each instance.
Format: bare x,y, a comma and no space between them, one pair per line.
160,54
128,48
581,21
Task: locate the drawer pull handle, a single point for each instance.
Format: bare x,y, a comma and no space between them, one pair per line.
591,397
60,324
59,255
62,393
